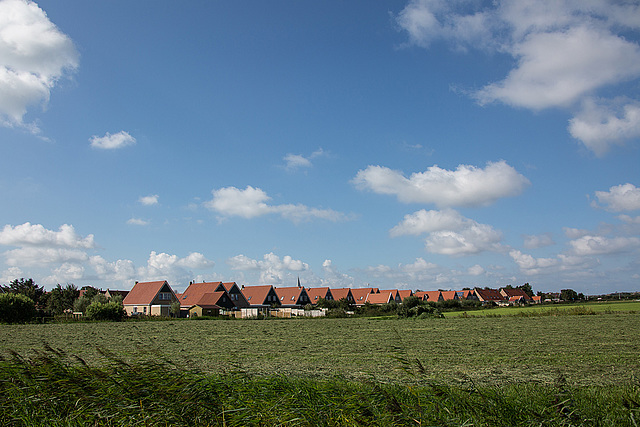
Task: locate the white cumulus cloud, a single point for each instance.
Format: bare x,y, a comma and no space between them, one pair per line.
112,141
28,234
563,51
600,245
149,200
272,268
465,186
449,233
602,124
624,197
34,56
252,202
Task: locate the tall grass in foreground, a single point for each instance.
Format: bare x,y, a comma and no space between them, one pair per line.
52,389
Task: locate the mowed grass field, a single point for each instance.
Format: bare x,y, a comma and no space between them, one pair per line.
587,350
552,309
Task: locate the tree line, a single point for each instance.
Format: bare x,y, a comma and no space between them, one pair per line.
23,300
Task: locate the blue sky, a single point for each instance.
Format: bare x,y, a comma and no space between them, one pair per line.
404,144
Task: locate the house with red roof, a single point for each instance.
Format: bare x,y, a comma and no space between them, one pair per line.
449,295
488,296
205,299
509,293
433,296
261,297
293,296
360,295
383,297
149,298
404,293
343,293
211,304
394,293
316,293
235,293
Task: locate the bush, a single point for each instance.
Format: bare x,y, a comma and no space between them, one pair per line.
105,311
16,308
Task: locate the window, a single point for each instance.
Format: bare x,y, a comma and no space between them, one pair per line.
144,310
282,298
135,310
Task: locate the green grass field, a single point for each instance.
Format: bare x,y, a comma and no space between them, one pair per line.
487,371
550,309
598,349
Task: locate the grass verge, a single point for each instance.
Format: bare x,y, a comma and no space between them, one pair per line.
52,389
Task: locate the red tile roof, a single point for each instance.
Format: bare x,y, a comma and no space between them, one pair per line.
488,295
449,295
360,294
383,297
405,293
316,293
292,295
341,293
257,295
143,293
434,296
514,293
211,300
195,291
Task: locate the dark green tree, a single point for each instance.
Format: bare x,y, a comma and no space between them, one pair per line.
16,308
568,295
105,311
527,289
61,299
26,287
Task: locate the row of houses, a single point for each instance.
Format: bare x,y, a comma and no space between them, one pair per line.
215,298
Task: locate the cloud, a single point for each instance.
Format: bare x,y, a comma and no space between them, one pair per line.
252,202
625,197
112,142
602,124
29,234
138,221
538,241
334,278
555,69
122,270
600,245
34,56
531,265
163,266
41,256
564,52
449,233
294,162
272,268
149,200
466,186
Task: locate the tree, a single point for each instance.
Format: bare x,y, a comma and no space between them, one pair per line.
61,299
81,304
105,311
16,308
26,287
174,309
568,295
527,289
90,292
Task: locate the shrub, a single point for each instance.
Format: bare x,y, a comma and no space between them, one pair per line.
16,308
105,311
